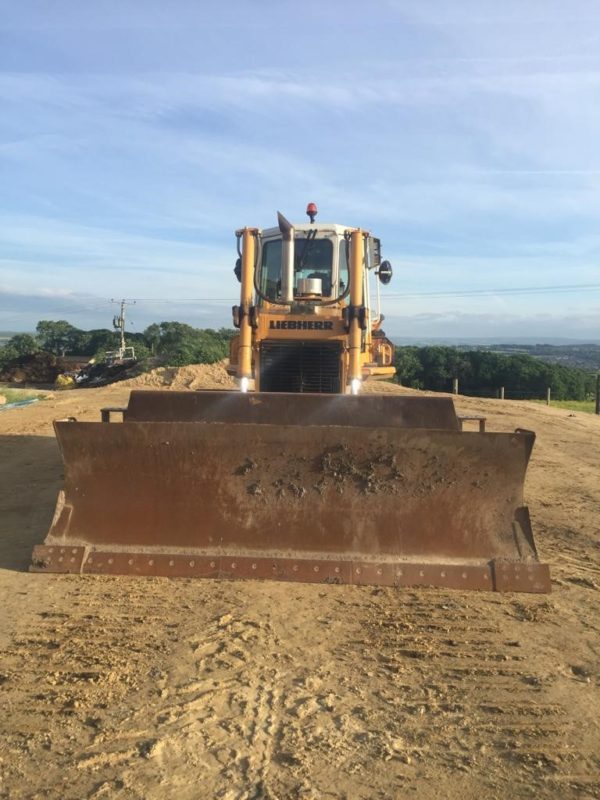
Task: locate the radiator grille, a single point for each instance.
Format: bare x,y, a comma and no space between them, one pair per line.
300,367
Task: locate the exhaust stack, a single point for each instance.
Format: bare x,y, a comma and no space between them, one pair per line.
287,258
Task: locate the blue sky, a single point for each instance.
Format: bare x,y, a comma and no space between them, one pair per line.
135,137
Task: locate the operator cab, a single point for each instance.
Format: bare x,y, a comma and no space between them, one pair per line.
320,270
308,263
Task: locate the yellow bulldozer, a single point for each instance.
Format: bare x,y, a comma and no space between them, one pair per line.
306,321
297,474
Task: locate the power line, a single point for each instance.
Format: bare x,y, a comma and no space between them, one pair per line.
588,287
94,307
168,300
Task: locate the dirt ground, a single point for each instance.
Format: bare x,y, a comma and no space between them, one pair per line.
157,688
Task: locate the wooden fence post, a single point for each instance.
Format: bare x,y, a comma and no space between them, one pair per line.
598,393
502,393
455,386
548,392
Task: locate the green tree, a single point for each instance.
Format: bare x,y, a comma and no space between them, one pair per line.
182,344
58,337
23,344
408,367
152,336
99,341
482,373
437,368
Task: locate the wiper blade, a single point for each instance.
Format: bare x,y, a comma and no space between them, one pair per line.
308,243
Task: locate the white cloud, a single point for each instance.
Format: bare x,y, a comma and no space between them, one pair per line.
465,135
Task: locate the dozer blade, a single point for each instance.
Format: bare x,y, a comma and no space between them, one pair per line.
374,500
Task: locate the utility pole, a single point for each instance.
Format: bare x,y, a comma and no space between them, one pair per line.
119,322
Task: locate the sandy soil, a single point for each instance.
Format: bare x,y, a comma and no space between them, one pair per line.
158,688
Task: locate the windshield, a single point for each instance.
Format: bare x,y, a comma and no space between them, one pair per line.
313,258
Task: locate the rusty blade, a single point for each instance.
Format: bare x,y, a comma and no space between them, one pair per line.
498,575
369,411
341,492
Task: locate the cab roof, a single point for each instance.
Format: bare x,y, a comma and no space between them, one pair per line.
304,227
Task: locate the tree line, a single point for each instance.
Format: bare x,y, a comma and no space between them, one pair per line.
481,373
178,344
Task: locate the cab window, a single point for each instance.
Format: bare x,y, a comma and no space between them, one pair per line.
343,270
270,273
313,258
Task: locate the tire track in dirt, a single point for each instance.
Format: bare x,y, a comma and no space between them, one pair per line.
127,688
220,714
262,713
437,687
76,676
487,701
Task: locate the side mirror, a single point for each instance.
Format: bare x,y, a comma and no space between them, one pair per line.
238,270
385,272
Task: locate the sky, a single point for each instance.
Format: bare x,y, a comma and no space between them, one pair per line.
136,137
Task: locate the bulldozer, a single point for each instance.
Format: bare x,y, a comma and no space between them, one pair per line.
298,474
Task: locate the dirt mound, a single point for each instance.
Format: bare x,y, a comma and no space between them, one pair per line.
214,376
39,367
384,387
194,376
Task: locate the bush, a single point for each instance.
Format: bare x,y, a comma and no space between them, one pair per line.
482,373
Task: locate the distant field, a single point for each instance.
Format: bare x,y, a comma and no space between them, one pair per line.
589,406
